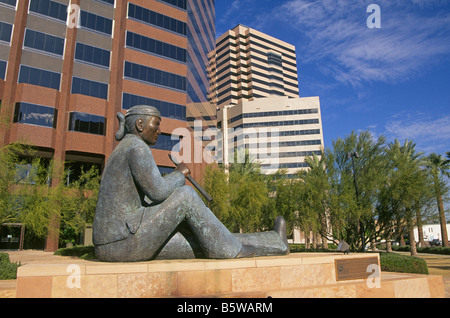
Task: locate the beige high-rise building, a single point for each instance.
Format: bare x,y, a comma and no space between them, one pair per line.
279,132
251,64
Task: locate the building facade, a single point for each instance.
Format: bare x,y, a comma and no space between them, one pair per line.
251,64
68,66
279,132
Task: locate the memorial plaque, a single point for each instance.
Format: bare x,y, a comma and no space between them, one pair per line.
356,268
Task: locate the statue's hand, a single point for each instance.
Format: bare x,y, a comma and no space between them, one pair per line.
183,168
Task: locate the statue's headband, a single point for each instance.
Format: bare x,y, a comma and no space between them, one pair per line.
143,110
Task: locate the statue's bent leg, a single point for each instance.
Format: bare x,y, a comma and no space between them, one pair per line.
214,238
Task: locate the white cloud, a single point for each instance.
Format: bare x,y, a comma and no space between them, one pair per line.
334,32
430,134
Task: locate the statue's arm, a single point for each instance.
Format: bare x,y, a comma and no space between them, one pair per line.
148,178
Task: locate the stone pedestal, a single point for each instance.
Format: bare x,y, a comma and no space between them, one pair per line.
296,275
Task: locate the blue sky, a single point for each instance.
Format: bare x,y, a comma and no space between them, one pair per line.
393,81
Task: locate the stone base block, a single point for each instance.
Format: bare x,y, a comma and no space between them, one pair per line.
296,275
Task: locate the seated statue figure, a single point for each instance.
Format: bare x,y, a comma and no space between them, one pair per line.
142,216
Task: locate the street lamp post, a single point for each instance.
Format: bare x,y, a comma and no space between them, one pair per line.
352,156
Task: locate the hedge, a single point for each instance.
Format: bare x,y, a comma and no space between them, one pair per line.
391,262
427,249
8,269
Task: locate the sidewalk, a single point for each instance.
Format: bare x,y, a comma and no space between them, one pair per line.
438,264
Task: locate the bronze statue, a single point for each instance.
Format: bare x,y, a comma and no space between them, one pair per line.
141,215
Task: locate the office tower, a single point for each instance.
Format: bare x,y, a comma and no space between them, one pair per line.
278,132
251,64
68,66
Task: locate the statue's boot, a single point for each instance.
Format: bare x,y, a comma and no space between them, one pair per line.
281,228
247,251
268,243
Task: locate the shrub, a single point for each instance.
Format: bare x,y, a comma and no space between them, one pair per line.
8,269
391,262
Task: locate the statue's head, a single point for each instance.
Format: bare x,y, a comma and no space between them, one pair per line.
143,121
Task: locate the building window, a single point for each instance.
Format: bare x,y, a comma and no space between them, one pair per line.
44,42
3,69
168,110
49,8
90,88
111,2
165,170
165,142
10,2
182,4
87,123
274,59
91,54
154,76
149,45
5,32
96,22
156,19
31,114
36,76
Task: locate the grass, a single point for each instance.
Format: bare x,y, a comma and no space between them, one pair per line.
83,252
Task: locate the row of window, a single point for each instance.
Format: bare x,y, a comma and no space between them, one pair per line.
279,123
10,2
149,45
182,4
286,165
40,77
52,44
58,11
168,110
275,113
26,113
156,19
154,76
31,114
87,123
165,142
89,88
93,55
44,42
239,134
49,8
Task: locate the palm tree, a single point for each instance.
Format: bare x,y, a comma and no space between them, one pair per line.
438,167
407,184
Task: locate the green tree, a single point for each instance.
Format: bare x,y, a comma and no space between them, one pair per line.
438,168
10,161
79,203
240,194
316,194
356,183
407,183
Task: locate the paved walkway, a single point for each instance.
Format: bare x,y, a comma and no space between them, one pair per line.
437,265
